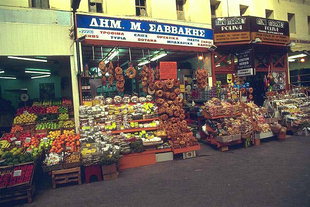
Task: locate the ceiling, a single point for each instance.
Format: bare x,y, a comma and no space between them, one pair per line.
14,67
93,54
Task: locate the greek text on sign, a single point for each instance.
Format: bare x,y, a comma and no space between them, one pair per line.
116,29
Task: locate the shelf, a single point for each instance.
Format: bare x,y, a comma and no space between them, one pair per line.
120,104
134,130
145,120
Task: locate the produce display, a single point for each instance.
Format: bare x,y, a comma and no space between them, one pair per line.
25,118
17,175
68,141
32,110
294,110
216,107
16,128
52,109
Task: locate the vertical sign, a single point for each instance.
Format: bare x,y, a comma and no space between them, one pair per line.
245,65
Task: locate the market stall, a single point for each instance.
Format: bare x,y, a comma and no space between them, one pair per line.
292,110
131,71
231,123
255,50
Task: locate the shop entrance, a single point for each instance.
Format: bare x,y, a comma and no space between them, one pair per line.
33,81
186,64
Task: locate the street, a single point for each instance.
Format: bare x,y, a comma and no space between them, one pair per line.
274,174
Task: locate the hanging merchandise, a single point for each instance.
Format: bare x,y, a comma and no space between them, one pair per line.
172,114
201,76
131,72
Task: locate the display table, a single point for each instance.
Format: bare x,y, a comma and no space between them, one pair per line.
147,157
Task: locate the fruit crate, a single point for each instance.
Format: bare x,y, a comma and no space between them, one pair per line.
17,193
66,176
5,175
49,168
224,139
76,163
22,174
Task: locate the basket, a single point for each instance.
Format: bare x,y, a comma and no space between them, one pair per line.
66,164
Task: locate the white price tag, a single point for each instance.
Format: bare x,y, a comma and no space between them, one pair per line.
17,173
45,139
27,140
13,139
18,142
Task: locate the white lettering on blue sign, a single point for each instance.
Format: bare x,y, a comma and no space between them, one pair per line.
134,30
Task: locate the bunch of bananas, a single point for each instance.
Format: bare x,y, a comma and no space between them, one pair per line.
4,144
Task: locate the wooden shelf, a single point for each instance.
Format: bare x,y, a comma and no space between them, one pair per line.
134,130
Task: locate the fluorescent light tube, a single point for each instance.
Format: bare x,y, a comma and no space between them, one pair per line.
29,59
1,71
38,69
40,76
158,56
144,62
37,72
297,56
111,55
7,77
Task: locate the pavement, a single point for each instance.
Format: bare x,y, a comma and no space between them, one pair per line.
274,174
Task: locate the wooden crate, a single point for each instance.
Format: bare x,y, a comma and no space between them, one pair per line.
66,176
17,193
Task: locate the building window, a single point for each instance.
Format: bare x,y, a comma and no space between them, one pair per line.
42,4
308,25
180,9
243,9
291,22
269,14
95,6
141,8
214,6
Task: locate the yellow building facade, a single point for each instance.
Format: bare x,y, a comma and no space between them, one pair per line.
21,33
190,11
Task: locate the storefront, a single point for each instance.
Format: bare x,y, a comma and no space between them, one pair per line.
37,68
138,70
255,50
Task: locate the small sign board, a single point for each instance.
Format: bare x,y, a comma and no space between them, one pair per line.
246,72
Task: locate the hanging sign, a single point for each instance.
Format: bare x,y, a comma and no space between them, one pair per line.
270,30
228,29
245,59
151,32
246,28
246,72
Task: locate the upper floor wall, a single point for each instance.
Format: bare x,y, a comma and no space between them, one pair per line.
194,11
28,32
190,11
297,12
